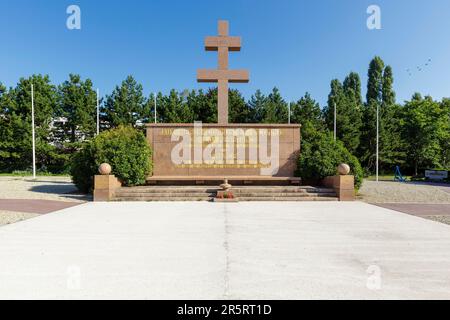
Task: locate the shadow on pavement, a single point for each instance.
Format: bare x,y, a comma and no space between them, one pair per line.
68,191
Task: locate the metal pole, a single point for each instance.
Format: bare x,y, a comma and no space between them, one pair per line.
378,137
335,121
289,114
98,111
33,132
155,107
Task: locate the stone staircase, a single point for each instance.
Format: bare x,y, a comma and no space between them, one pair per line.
165,193
207,193
284,193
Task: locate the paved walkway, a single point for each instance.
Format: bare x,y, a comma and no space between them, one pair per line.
202,250
436,212
419,209
34,206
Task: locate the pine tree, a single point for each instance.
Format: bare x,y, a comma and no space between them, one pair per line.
256,106
126,105
306,112
203,105
174,109
275,109
8,143
16,123
211,104
77,108
239,111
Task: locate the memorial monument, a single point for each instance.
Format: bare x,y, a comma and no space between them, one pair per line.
222,44
241,153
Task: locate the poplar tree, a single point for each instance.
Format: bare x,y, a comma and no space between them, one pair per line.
367,149
351,115
347,99
392,151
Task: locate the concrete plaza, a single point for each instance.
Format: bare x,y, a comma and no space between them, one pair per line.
201,250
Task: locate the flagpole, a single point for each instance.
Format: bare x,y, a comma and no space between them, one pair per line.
378,137
289,114
335,121
155,107
33,135
98,112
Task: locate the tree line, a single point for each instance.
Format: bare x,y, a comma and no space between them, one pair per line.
414,134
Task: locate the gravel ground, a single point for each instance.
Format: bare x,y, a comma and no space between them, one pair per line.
419,195
44,188
410,192
48,188
442,219
8,217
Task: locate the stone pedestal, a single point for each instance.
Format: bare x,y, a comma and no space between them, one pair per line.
105,186
344,186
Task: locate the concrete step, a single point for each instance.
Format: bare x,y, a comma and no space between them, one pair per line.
293,191
162,195
288,199
237,190
240,195
146,190
286,195
150,199
243,193
297,199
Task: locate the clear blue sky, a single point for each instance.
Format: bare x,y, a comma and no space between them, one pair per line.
296,45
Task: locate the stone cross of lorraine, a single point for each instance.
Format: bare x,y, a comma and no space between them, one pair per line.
222,43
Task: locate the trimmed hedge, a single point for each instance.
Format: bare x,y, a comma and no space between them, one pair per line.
321,155
124,148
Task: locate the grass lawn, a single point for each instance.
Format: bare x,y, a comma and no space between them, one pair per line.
385,178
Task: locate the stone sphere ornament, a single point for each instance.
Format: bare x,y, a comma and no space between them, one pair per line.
343,169
104,169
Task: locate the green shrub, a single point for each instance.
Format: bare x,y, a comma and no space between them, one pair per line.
321,155
83,168
124,148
